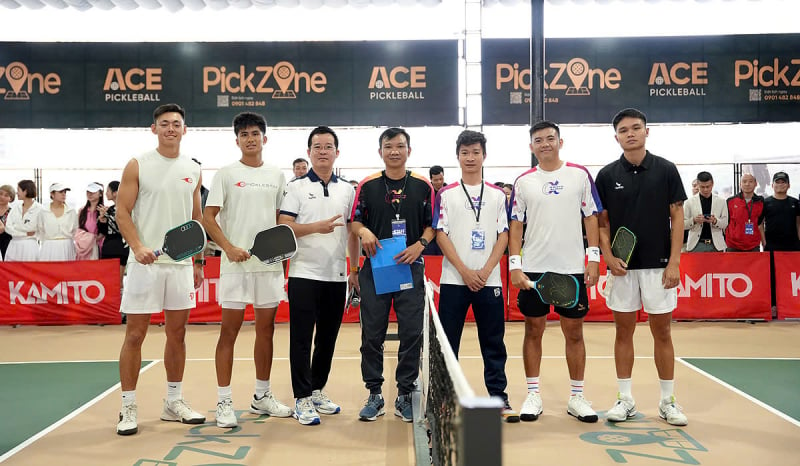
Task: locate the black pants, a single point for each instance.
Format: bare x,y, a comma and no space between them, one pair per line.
409,306
320,304
489,310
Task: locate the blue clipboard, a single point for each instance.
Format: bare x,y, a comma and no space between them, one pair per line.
388,275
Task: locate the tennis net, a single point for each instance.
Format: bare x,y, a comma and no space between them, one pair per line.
453,426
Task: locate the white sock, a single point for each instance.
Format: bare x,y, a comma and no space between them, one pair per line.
625,386
262,388
224,393
667,388
576,387
533,384
174,391
129,398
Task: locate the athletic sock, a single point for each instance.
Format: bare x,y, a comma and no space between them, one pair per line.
174,391
533,384
667,388
625,386
129,398
576,387
224,393
262,388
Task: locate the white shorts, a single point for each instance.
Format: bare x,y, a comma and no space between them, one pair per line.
640,288
151,288
261,289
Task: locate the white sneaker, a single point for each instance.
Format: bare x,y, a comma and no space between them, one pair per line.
268,404
127,420
180,411
226,416
623,409
531,408
579,407
671,412
305,413
323,404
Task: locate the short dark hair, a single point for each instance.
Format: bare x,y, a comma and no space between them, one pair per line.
299,160
28,187
245,120
167,108
628,112
113,186
390,133
435,170
469,137
704,177
323,130
542,125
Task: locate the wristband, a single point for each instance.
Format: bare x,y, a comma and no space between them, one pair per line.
200,262
593,254
354,269
514,263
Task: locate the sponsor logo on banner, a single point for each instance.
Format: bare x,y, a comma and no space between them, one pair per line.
24,83
251,87
766,76
575,78
397,83
132,85
680,79
716,285
66,292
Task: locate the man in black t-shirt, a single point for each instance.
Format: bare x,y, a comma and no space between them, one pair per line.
781,228
393,202
643,193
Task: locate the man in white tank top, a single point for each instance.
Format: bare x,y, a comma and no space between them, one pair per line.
246,195
160,189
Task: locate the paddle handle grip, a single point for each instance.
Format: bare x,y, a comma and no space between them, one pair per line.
158,252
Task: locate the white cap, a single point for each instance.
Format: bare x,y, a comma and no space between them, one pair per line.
94,188
58,187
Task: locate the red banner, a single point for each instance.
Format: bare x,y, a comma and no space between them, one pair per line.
787,284
51,293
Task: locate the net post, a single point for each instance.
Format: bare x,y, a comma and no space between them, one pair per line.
481,431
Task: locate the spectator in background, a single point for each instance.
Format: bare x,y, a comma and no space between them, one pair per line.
436,173
6,198
87,237
705,216
781,227
437,181
114,246
57,225
508,188
695,187
299,167
745,217
22,224
695,190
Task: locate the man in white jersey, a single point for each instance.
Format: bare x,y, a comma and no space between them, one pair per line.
315,207
552,199
471,224
160,189
247,195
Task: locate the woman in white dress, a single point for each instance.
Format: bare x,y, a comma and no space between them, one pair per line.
57,225
23,225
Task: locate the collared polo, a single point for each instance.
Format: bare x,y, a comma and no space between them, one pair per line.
638,197
309,199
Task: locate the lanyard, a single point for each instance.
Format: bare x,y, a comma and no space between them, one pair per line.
475,210
400,198
749,206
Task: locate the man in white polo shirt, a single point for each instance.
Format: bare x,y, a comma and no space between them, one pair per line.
246,194
317,207
160,189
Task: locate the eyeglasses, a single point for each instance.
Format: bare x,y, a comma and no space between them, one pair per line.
326,147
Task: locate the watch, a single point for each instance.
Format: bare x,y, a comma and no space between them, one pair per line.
423,242
200,262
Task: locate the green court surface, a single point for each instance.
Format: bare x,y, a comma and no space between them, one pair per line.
771,381
35,396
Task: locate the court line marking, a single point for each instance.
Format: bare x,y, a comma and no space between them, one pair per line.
730,387
69,416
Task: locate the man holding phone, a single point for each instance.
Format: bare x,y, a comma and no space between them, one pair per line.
705,216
